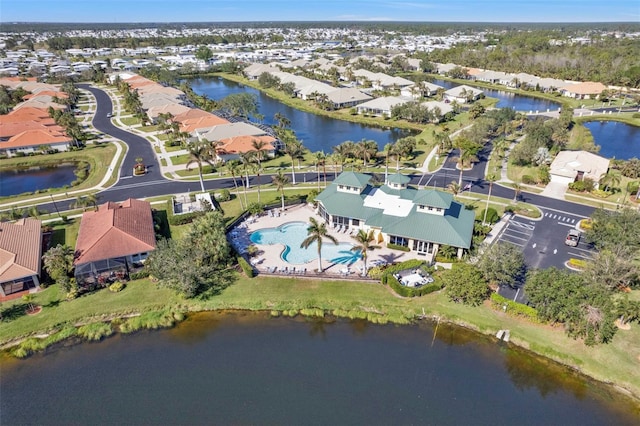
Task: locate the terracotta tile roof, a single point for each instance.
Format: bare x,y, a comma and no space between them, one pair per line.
8,130
25,113
238,144
191,114
35,138
585,88
60,95
115,230
20,249
209,120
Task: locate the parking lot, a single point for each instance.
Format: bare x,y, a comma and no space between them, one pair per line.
542,242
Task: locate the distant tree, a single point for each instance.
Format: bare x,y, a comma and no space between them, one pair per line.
199,263
464,284
240,104
204,53
503,263
58,262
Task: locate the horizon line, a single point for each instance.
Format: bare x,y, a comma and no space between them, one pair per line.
320,21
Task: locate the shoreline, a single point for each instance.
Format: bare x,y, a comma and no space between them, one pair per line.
317,313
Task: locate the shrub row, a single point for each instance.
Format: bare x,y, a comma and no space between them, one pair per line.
246,268
514,308
408,291
138,275
397,247
181,219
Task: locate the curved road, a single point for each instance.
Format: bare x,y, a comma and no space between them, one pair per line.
154,184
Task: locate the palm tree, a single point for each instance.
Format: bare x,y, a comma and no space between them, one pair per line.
258,151
283,122
455,188
317,233
293,149
491,178
366,149
199,153
247,159
342,152
610,180
364,244
517,189
280,181
233,166
320,159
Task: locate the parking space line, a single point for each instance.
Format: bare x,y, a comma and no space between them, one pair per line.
519,232
579,255
517,238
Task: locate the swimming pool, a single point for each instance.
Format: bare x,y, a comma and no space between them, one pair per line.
292,234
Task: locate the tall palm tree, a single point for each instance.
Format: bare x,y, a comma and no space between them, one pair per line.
364,244
293,149
320,159
259,153
491,178
234,167
343,151
366,149
199,153
247,159
280,181
283,122
316,233
517,189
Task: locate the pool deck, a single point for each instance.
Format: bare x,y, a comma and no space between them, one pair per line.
269,255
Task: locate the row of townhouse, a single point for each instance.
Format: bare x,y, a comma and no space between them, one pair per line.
572,89
233,138
28,128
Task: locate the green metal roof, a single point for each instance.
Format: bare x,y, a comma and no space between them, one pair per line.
433,198
455,228
398,178
359,180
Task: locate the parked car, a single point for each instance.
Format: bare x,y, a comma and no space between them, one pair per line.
109,115
573,238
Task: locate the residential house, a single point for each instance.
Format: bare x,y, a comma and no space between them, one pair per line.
572,166
462,94
20,256
347,97
112,241
419,220
585,90
381,106
420,90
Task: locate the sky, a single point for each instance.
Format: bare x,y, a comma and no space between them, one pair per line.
319,10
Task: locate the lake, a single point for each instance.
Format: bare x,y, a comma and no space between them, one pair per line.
245,368
508,99
18,181
616,140
318,133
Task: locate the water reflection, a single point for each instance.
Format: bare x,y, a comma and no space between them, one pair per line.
318,133
18,181
616,140
251,369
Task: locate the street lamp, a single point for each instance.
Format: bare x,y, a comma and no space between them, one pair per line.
54,205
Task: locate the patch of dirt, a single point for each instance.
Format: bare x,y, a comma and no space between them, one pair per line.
622,326
35,311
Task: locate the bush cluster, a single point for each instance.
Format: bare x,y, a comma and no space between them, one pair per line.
246,268
514,308
411,292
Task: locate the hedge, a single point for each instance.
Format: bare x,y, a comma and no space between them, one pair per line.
246,268
181,219
397,247
411,292
514,308
138,275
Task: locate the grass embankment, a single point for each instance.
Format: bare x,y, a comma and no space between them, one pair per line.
99,158
616,362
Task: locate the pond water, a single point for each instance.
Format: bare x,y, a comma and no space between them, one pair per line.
248,369
18,181
318,133
616,140
508,99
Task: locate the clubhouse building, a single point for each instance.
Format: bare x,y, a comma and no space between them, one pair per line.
421,220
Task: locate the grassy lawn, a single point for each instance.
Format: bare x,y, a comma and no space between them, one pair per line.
130,121
616,362
173,148
98,156
180,159
149,129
